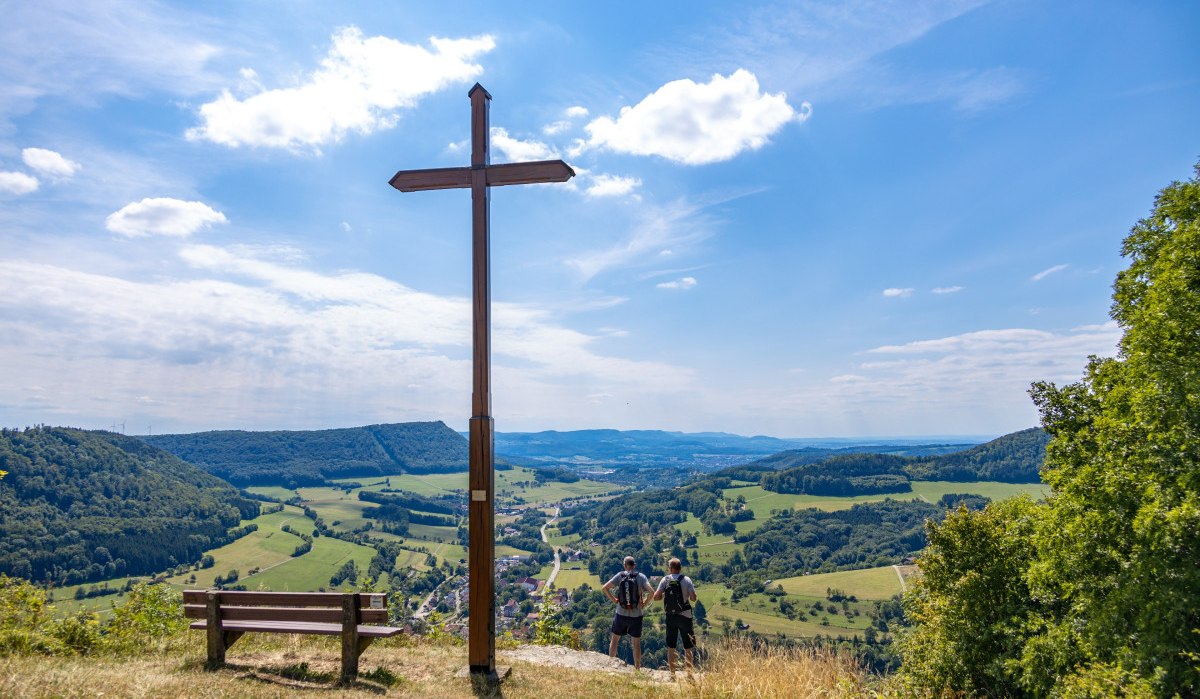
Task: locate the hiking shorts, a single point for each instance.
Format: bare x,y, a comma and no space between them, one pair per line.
680,625
631,625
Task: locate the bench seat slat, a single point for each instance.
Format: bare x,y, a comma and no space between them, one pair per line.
302,627
246,598
317,614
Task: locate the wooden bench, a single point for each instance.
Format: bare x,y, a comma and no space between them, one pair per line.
226,615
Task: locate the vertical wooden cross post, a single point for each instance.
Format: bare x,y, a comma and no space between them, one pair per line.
479,177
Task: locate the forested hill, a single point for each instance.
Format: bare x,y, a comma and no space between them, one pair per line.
1013,458
78,506
310,457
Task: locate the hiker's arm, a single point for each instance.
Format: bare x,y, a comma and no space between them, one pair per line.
605,589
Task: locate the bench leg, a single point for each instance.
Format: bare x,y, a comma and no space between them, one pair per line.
350,639
216,636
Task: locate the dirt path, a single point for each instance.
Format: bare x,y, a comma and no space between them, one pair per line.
900,575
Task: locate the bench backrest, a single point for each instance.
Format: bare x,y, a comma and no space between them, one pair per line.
238,605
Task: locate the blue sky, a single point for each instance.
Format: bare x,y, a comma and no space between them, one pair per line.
797,219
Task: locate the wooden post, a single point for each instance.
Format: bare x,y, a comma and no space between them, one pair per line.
350,650
481,651
212,625
480,176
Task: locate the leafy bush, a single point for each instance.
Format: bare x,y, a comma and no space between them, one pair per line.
151,614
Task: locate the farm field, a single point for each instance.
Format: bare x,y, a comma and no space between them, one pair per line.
867,584
513,487
763,616
268,546
934,490
312,570
574,577
276,492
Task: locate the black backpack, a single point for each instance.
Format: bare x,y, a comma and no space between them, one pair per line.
673,598
629,593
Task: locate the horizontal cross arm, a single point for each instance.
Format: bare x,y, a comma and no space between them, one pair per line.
529,173
432,178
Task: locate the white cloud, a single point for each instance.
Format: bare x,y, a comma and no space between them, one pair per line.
346,228
611,185
162,216
947,289
514,150
251,342
1047,272
682,283
49,163
972,383
696,124
897,293
570,114
77,50
674,226
17,183
361,84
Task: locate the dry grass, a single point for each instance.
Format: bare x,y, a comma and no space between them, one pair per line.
259,665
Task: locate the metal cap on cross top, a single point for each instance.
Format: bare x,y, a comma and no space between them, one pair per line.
480,176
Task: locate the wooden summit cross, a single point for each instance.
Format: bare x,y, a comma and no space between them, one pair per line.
479,177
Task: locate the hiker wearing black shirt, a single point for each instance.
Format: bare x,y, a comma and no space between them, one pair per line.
630,591
678,593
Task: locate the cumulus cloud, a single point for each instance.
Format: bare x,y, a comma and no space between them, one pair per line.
515,150
681,284
49,163
360,85
162,216
611,185
893,293
946,289
17,183
575,112
1047,272
696,124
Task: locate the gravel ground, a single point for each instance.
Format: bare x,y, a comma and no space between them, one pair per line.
577,659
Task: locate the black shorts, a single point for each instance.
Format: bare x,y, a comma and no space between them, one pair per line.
677,625
631,625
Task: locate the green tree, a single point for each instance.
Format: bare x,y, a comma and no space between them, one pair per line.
1097,592
971,607
1119,549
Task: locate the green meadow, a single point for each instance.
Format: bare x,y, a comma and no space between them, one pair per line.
866,584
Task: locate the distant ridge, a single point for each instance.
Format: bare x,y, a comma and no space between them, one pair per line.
312,457
608,444
1012,458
